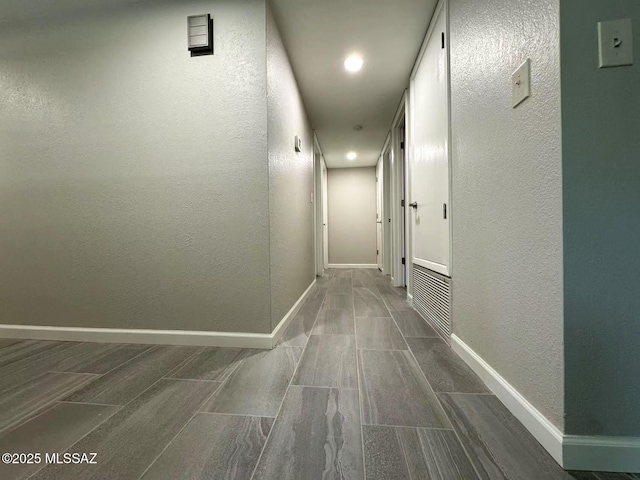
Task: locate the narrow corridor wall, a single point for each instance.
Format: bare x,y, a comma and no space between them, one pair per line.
291,230
134,178
601,190
507,279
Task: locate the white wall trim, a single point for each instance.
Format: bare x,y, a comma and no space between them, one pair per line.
353,265
286,320
572,452
137,335
549,436
601,454
155,337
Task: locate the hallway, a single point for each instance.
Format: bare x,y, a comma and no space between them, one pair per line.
348,393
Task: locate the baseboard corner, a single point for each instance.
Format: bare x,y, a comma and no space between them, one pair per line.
547,434
286,320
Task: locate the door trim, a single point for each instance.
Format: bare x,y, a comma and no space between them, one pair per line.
397,169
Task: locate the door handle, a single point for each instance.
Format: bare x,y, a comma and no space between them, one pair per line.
414,205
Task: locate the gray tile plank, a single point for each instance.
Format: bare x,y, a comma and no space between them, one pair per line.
312,304
367,304
132,439
338,302
258,385
445,371
211,364
104,359
435,455
379,334
7,342
51,432
370,290
340,285
411,324
54,359
328,361
27,349
31,356
362,279
298,331
213,446
498,445
28,399
389,290
343,272
394,298
396,304
383,455
394,391
123,384
334,322
316,435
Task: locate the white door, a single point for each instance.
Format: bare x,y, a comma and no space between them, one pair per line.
429,152
325,209
379,245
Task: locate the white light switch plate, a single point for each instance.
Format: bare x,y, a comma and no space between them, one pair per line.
521,83
615,43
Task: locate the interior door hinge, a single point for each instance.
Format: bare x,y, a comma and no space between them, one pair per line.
402,203
442,39
377,252
403,260
402,145
444,211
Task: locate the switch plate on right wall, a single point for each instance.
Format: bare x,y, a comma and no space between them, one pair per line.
615,43
521,83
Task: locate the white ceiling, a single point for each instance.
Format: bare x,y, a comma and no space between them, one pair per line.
320,34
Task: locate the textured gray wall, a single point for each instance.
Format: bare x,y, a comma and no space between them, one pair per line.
507,195
290,181
351,195
601,186
133,178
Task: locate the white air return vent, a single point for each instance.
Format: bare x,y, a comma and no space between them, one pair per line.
432,298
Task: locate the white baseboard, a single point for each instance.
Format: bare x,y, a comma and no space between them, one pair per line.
154,337
136,335
286,320
352,265
549,436
410,299
572,452
601,454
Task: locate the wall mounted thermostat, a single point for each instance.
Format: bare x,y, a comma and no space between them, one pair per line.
200,34
615,43
298,144
521,83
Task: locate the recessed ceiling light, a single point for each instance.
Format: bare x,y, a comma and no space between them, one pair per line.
352,155
353,63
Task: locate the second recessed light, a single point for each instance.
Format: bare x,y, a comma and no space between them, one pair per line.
352,155
353,63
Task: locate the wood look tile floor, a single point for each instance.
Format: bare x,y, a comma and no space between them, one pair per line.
359,387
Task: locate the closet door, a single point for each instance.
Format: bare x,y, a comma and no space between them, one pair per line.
429,151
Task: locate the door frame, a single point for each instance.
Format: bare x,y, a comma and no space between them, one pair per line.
319,188
380,213
400,273
325,213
